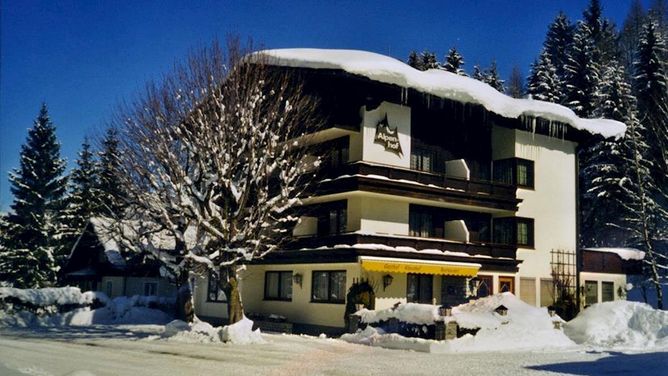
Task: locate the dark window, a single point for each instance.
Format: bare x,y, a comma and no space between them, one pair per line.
329,287
278,285
607,291
419,288
515,171
420,222
591,292
213,291
423,159
514,230
340,151
150,288
333,218
507,284
485,287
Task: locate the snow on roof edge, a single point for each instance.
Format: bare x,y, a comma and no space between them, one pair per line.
437,82
624,253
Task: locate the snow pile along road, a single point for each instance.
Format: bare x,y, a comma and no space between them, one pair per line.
621,325
524,327
202,332
69,306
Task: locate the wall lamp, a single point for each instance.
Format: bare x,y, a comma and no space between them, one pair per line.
387,280
298,278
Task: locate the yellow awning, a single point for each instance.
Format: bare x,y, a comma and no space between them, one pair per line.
396,265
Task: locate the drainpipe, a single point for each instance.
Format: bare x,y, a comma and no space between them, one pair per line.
578,257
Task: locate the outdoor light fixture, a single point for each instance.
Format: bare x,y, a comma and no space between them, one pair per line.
387,280
298,278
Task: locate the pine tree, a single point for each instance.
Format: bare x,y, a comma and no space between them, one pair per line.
558,41
83,202
582,74
515,83
608,162
491,77
414,60
428,60
477,73
112,195
31,246
543,82
629,37
454,62
651,88
602,33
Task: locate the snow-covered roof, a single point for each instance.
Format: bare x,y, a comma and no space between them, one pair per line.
437,82
624,253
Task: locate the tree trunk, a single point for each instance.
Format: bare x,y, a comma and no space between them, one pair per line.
185,307
235,309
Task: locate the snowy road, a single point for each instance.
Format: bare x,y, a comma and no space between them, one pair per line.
118,351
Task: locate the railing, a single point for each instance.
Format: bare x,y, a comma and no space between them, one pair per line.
480,187
471,248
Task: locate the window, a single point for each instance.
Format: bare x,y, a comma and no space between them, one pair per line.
214,293
420,288
514,230
109,288
546,292
607,291
329,287
333,218
485,287
528,290
339,154
420,223
278,285
150,288
507,284
591,292
515,171
423,159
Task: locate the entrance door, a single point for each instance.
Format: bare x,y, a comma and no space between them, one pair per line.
420,288
507,284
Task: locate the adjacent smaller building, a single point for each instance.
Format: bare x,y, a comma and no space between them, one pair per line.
96,263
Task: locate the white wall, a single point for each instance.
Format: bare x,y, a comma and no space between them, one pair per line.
300,309
398,117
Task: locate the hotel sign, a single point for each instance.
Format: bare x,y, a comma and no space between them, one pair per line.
388,137
445,268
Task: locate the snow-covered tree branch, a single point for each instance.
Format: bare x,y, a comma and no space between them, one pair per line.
211,159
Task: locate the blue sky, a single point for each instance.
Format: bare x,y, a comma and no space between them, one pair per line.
84,57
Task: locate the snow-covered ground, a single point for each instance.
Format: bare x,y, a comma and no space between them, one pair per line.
133,350
617,337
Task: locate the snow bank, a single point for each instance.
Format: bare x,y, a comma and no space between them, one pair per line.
241,332
624,253
121,310
439,83
46,296
620,324
525,327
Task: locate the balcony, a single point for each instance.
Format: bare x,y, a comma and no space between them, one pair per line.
394,243
405,182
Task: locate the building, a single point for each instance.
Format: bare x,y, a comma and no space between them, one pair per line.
437,189
96,263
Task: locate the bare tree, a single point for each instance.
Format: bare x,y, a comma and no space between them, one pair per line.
215,158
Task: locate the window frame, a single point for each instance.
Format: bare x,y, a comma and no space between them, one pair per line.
507,171
611,285
514,224
330,278
340,211
419,278
213,281
490,286
280,281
